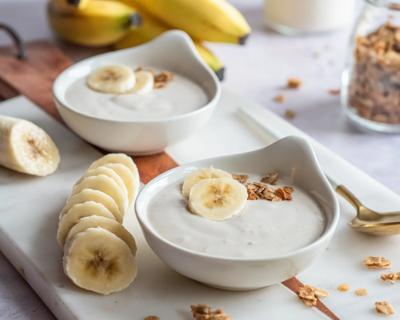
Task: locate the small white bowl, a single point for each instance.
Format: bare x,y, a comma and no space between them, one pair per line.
173,51
291,156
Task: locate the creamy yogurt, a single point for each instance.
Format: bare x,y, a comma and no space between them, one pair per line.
180,96
264,229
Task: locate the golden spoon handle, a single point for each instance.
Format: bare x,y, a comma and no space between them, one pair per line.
351,198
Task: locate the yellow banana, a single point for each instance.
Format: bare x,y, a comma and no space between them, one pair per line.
71,5
98,23
209,20
151,28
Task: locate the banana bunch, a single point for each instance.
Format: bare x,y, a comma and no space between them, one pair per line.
91,22
214,194
27,148
99,253
118,22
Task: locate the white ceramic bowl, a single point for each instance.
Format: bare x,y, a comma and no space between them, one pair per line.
291,156
173,51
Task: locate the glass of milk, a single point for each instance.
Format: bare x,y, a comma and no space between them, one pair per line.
304,16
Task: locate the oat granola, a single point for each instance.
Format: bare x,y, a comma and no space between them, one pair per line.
377,263
204,312
361,292
384,307
294,83
391,277
309,295
242,178
271,178
343,287
261,191
374,87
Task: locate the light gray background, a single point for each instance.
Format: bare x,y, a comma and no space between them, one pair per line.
259,71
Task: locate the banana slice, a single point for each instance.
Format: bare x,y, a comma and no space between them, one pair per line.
96,196
99,261
127,161
131,184
112,79
107,185
107,172
144,82
77,211
107,224
200,174
217,199
26,148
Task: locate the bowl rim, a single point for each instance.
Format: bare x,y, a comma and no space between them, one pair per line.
175,35
326,234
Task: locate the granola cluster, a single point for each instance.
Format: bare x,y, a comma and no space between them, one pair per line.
262,190
310,295
384,307
374,88
391,277
205,312
377,263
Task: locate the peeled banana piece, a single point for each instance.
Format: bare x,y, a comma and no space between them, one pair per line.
93,195
107,185
217,199
117,79
144,82
201,174
99,261
128,178
97,23
105,223
208,20
26,148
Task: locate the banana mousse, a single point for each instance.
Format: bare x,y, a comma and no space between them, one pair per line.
119,92
238,216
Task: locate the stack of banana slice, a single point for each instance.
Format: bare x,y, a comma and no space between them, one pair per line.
214,194
118,22
99,253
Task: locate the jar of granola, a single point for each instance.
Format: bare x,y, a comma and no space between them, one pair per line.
371,80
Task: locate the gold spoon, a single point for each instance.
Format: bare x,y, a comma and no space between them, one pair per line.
366,220
369,221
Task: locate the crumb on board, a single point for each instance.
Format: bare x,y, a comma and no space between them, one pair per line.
334,92
205,312
280,98
384,307
361,292
289,114
343,287
294,83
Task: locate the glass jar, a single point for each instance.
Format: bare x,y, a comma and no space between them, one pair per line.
293,17
371,79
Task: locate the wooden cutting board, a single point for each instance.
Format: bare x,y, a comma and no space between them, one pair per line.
33,78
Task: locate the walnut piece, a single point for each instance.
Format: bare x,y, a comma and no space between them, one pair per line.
392,277
271,178
343,287
294,83
204,312
242,178
384,307
309,295
361,292
377,263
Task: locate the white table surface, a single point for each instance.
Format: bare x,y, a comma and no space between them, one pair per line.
259,71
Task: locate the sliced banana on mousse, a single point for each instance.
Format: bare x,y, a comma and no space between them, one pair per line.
27,148
107,224
217,198
201,174
99,261
77,211
144,82
117,79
